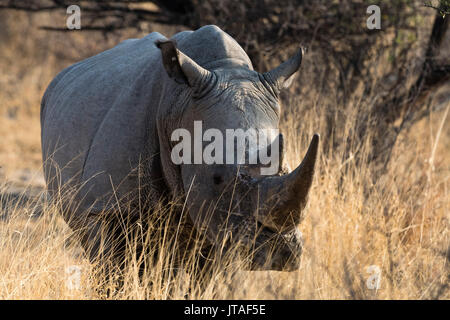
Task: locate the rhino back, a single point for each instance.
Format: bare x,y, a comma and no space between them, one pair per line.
212,48
96,118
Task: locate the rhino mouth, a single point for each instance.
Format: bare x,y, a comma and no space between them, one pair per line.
262,220
276,251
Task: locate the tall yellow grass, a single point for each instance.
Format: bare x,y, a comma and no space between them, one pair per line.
400,223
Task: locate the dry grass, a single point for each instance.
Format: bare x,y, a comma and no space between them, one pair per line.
399,223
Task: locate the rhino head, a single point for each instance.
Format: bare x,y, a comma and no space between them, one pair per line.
234,202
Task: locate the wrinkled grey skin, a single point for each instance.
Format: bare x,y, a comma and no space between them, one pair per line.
106,128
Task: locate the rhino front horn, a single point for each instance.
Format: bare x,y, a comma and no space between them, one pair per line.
285,197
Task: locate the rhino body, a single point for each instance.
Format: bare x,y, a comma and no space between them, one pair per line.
106,140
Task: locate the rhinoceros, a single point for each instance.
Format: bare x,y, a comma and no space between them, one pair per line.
107,123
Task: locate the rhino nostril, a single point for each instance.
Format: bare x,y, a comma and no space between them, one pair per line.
217,179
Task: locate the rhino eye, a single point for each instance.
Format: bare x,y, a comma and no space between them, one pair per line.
217,179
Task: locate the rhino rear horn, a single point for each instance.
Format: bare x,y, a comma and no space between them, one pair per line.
180,67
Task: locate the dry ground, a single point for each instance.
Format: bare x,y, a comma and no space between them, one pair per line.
400,223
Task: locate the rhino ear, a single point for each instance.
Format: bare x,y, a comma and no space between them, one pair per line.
179,66
282,76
